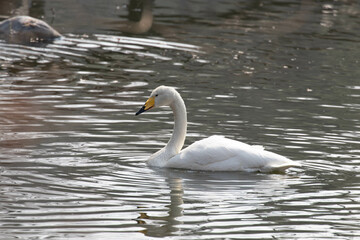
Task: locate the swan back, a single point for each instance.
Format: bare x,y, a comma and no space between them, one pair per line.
218,153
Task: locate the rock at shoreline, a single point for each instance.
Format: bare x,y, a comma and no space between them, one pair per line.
26,30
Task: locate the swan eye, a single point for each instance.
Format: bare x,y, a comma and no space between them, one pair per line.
156,95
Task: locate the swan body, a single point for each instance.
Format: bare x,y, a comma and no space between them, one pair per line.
215,153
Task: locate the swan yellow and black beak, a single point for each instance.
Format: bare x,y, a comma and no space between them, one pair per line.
148,105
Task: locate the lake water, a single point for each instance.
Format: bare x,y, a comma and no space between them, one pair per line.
282,74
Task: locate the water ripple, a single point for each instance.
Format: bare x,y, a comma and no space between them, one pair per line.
73,155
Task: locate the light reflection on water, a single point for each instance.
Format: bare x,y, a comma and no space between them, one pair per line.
73,155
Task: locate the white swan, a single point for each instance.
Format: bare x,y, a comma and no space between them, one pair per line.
215,153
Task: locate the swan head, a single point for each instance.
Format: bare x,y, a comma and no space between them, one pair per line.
160,96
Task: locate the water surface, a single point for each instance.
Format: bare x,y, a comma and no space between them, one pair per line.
282,74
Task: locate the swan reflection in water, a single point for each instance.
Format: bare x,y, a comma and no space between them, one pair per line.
160,226
221,193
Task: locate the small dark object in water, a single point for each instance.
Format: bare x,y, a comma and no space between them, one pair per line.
26,30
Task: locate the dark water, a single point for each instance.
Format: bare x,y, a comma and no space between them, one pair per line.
282,74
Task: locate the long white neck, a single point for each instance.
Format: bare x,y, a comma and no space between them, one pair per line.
176,142
177,139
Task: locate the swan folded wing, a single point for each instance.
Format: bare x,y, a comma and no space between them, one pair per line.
202,154
217,153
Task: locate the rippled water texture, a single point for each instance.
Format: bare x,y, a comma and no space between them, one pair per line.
282,74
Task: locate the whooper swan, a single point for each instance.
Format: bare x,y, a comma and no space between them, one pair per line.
215,153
